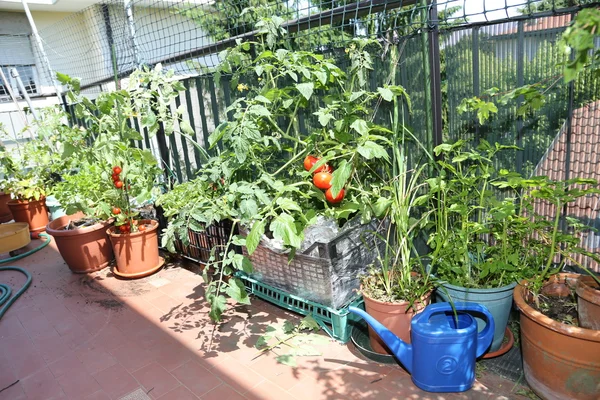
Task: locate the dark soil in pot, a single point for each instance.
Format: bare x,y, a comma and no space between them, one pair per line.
561,309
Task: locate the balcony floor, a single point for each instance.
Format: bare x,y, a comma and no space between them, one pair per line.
97,337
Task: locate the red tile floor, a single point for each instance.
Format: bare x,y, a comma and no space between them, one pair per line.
97,337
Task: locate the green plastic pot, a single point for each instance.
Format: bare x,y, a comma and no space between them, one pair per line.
56,210
497,300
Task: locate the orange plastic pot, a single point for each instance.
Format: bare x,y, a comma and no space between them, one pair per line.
33,212
588,302
559,361
5,214
85,249
394,316
136,254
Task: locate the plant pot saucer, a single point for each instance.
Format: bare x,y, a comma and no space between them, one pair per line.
161,262
506,345
360,339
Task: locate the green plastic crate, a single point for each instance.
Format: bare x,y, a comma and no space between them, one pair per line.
337,323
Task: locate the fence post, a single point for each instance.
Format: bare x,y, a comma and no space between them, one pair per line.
435,76
475,66
520,82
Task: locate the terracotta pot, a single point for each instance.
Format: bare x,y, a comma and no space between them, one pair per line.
33,212
394,316
136,254
588,302
5,214
559,361
85,249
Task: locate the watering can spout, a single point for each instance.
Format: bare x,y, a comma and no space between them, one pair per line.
401,350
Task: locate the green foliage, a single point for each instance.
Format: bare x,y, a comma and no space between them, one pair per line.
35,164
487,231
578,40
106,125
257,178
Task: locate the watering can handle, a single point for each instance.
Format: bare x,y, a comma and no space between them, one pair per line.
484,338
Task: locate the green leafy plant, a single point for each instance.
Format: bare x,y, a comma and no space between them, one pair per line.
117,176
257,178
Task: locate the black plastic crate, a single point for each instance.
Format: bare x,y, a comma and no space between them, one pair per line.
214,236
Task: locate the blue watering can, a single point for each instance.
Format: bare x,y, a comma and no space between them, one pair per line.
444,345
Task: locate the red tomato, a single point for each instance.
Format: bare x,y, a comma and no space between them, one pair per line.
115,177
116,210
142,228
117,170
309,161
123,228
118,184
334,200
322,180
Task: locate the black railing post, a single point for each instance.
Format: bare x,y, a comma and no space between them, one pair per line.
520,82
475,66
436,75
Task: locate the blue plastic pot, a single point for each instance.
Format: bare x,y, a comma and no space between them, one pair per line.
497,300
56,210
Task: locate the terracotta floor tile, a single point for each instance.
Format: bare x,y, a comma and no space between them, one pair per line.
51,346
36,324
116,381
156,380
268,391
95,359
242,380
57,314
166,303
223,392
132,356
99,395
196,378
108,338
11,326
170,355
94,322
41,385
68,362
179,393
282,375
14,392
78,384
27,362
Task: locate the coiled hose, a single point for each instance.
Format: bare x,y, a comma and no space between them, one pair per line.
5,290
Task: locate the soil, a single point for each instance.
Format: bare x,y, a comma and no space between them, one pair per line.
80,223
561,309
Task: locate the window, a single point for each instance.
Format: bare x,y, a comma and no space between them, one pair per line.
27,75
16,52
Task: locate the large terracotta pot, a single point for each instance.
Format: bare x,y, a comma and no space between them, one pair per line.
136,254
559,361
5,214
394,316
33,212
85,249
588,302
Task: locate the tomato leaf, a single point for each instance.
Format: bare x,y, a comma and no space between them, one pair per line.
284,228
340,176
306,89
253,238
237,291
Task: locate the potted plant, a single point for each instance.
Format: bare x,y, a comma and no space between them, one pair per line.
588,301
80,235
6,168
399,285
571,370
121,178
478,229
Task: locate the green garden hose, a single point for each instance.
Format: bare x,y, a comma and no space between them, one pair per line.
5,290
